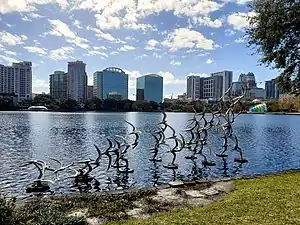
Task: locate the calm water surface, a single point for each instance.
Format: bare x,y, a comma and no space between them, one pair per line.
270,142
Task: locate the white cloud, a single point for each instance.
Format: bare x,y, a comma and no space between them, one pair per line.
101,35
141,56
169,78
36,42
115,14
10,39
34,49
77,24
186,38
229,32
239,20
59,28
242,2
92,52
7,59
24,37
99,48
115,53
175,63
217,46
62,53
207,21
80,42
126,48
157,55
26,19
35,15
199,74
10,52
151,44
209,61
240,40
8,6
39,85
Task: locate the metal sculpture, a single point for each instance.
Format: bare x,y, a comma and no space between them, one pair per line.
193,141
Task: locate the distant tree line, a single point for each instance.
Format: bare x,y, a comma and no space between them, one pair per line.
288,103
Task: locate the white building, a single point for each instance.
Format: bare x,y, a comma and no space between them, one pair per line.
77,81
17,80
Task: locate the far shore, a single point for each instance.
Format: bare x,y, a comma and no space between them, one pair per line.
122,111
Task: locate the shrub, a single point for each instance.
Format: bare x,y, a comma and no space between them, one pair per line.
7,206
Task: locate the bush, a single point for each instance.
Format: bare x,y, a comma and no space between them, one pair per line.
7,206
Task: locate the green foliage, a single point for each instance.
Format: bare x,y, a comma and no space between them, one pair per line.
275,33
273,199
7,206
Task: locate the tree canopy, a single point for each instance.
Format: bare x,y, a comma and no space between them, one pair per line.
274,31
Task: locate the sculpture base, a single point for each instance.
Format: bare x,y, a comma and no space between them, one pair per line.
126,171
38,186
208,163
239,160
171,166
155,160
191,157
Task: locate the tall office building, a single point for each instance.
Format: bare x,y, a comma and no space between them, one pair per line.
17,80
90,91
59,85
110,80
222,82
77,81
149,88
248,80
193,87
272,89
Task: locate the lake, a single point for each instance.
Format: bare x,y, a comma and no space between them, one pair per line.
270,143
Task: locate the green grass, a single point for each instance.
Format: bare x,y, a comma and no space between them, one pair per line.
273,200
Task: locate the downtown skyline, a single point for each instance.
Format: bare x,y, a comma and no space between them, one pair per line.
167,40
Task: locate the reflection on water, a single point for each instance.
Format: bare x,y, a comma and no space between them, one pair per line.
270,143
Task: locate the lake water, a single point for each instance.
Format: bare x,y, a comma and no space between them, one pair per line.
271,143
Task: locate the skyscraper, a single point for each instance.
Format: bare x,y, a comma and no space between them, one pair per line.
17,79
59,85
248,80
77,81
222,82
110,80
193,87
149,88
272,89
90,92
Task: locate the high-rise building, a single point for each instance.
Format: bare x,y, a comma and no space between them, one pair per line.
149,88
193,87
222,82
90,91
248,80
59,85
272,89
77,81
110,80
17,80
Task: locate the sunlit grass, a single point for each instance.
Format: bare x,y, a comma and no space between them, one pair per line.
273,200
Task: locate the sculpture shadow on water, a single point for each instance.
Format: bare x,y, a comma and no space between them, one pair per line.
170,151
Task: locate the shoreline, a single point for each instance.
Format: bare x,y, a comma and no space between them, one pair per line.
135,203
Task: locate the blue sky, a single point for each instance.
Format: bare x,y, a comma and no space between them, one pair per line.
173,38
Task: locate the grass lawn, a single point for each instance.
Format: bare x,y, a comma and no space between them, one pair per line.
273,200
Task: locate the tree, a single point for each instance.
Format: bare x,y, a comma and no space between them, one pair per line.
154,105
275,33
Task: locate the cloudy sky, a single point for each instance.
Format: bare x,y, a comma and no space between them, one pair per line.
173,38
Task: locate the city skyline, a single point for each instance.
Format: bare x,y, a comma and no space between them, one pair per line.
146,42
